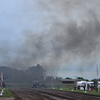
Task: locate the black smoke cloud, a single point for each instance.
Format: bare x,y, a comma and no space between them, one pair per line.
64,42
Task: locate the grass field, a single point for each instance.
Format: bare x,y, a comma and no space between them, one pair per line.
18,85
7,93
79,91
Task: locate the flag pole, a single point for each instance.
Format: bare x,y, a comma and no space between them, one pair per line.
1,79
52,82
97,77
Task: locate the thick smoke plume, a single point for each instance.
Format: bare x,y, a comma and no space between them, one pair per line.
64,43
70,34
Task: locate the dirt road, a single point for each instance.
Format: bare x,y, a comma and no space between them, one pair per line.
44,94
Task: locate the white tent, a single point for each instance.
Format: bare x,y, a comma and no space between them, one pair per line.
99,84
84,85
91,83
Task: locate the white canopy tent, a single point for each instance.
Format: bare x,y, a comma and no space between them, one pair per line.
84,85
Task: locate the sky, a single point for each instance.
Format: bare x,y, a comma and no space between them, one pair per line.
63,36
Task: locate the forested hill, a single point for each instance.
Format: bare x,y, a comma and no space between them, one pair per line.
12,75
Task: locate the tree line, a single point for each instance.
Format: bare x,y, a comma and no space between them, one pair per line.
13,75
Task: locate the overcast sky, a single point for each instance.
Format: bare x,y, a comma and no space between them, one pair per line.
63,36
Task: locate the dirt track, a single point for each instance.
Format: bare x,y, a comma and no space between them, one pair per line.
7,98
41,94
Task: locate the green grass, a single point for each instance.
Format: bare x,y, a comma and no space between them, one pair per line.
7,93
80,91
18,85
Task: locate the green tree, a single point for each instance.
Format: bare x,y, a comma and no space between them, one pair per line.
68,78
35,73
49,79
